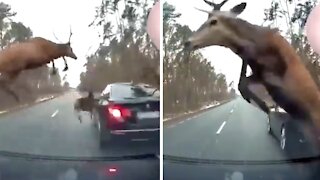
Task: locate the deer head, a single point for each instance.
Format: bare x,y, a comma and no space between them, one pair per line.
216,30
68,51
224,28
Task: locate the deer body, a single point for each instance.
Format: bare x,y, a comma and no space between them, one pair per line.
296,81
273,61
84,104
285,77
30,54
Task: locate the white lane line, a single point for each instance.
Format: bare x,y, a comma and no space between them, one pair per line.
221,127
55,113
231,111
2,112
172,126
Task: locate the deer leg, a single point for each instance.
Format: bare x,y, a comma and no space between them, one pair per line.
7,81
243,90
65,65
248,94
24,85
79,117
54,70
242,80
77,113
7,89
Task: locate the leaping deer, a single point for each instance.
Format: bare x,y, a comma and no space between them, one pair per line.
272,59
30,54
243,85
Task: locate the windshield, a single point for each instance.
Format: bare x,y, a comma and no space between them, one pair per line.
208,113
127,91
56,58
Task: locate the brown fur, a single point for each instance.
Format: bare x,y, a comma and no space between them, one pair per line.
33,53
85,104
277,56
274,63
297,79
30,54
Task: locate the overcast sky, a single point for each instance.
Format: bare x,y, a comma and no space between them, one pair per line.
219,56
46,17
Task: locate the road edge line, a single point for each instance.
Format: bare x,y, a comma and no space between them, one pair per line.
192,114
37,101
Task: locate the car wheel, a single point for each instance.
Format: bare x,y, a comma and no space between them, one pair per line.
95,118
104,134
283,138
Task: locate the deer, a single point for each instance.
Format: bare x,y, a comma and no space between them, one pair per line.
273,61
243,85
30,54
84,104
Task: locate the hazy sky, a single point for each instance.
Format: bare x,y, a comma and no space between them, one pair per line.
46,17
220,56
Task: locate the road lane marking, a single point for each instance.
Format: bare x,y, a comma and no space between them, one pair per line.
221,127
172,126
2,112
55,113
231,111
181,122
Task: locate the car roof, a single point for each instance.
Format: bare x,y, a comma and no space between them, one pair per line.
122,83
144,86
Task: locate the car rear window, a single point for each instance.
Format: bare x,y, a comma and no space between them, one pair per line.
127,91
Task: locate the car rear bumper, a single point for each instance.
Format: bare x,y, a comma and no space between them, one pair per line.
134,130
137,134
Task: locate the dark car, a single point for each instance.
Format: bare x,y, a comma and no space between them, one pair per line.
289,132
125,109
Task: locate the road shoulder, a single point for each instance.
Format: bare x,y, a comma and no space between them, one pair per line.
27,105
176,119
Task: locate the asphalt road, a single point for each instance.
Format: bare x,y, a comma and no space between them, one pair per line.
51,128
233,131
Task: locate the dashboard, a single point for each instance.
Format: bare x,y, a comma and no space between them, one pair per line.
35,168
177,168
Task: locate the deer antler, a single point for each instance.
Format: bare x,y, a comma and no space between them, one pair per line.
70,35
214,5
202,10
56,37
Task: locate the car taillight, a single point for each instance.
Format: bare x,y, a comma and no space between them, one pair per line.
115,112
118,112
